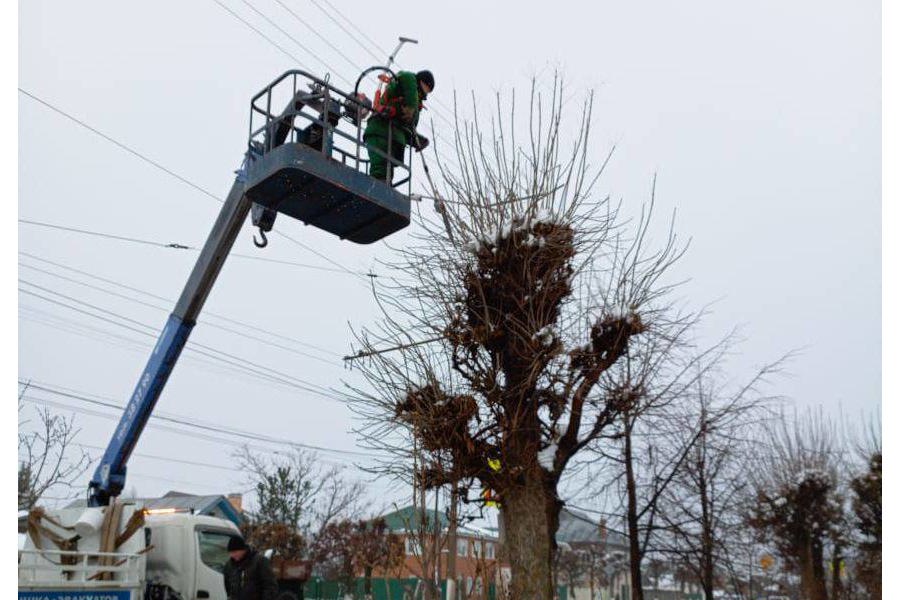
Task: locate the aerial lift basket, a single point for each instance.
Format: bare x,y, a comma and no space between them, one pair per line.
307,162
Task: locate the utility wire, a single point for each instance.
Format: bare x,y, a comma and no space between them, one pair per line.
195,424
337,461
280,29
206,313
178,246
317,34
176,175
168,459
378,58
324,391
327,66
107,235
120,144
202,349
258,32
384,52
61,323
65,324
164,309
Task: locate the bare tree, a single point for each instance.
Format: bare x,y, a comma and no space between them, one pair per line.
655,439
48,457
375,548
294,490
702,509
346,548
571,565
796,497
501,320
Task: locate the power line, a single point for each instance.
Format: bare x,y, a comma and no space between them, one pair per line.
317,34
177,176
60,323
170,301
164,309
337,461
167,459
202,349
279,28
194,423
106,235
325,393
353,37
258,32
120,145
327,66
178,246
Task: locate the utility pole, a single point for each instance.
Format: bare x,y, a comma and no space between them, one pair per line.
451,543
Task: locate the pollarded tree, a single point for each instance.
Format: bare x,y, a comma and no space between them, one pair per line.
500,321
797,501
867,511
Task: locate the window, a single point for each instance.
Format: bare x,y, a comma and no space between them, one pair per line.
213,547
411,546
468,585
489,550
462,547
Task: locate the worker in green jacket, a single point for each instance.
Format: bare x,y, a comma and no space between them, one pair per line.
402,101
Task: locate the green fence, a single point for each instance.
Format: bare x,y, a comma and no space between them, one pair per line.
385,589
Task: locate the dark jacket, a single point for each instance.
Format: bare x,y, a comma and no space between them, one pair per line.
250,579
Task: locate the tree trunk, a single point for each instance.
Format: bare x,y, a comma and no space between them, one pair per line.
528,545
812,572
837,586
634,549
706,542
820,581
451,544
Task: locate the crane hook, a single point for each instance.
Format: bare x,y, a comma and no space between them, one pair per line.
264,242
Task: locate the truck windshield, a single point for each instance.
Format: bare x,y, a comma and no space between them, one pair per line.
213,548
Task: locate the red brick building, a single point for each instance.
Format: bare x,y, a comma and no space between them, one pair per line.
477,551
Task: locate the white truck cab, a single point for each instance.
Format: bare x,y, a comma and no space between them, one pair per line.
171,556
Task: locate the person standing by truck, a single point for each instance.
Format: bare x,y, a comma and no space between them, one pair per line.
248,574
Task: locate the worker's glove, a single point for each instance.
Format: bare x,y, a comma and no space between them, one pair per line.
407,114
421,142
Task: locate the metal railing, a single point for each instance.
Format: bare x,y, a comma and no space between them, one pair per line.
320,115
65,567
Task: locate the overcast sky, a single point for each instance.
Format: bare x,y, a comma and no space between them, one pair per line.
761,120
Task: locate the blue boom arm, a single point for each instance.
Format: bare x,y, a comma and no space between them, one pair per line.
320,184
109,477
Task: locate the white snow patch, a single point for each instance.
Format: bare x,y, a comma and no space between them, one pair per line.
516,223
547,456
545,335
473,246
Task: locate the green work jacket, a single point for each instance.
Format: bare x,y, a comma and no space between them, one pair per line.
402,91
